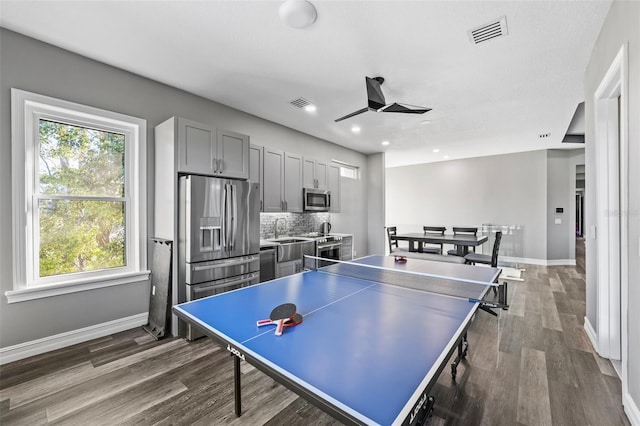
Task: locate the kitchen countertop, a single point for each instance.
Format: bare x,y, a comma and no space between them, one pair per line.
268,243
264,244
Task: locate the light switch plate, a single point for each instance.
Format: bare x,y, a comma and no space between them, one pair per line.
558,221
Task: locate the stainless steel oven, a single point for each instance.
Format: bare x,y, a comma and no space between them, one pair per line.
328,248
316,200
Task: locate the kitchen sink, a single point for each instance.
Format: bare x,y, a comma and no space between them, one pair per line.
291,248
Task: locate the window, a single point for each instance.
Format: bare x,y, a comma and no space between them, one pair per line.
78,197
350,172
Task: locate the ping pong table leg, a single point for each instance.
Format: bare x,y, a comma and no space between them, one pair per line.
463,345
236,385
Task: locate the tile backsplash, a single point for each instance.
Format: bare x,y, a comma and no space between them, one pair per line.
294,223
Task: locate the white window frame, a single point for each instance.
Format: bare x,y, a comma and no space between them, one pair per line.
26,110
349,172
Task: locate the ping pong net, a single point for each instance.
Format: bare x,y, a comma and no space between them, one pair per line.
462,286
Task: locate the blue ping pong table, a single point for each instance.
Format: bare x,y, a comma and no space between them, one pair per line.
367,352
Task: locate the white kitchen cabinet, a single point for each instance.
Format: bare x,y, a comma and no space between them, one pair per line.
282,179
293,183
333,185
315,173
256,173
284,269
346,249
232,154
203,150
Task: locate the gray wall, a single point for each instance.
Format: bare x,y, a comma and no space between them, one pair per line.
621,26
561,189
376,203
38,67
503,189
512,189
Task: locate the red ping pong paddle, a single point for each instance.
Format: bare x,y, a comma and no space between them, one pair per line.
401,259
295,320
279,315
291,322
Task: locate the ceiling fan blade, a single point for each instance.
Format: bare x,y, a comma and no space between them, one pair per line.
375,98
396,107
360,111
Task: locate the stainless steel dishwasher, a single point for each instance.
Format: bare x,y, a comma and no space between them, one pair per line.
267,264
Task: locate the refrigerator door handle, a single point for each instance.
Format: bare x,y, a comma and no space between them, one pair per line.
228,201
242,261
234,216
224,218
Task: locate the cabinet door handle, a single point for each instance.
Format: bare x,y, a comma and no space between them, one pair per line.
214,165
220,165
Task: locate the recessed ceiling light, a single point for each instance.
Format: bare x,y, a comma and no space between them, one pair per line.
446,156
385,143
436,150
355,129
423,122
310,108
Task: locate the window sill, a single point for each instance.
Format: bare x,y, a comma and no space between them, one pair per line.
22,295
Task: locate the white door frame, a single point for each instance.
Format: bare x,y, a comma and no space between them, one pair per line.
612,148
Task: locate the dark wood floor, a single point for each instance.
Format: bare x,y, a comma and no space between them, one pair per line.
533,366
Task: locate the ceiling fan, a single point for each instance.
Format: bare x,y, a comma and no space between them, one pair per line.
377,103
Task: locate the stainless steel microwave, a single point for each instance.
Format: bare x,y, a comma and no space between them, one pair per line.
316,200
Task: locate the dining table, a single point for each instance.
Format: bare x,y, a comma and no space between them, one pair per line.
462,242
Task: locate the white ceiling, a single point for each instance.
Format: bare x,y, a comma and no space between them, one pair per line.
491,98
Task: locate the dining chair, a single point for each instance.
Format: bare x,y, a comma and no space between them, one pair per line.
391,231
462,230
429,247
492,260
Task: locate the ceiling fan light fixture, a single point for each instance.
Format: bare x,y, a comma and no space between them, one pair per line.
297,13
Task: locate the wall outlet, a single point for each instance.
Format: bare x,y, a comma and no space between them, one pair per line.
558,221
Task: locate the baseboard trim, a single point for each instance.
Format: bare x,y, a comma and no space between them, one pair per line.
631,409
73,337
591,334
541,262
561,262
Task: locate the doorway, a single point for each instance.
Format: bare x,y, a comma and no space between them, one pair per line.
611,140
580,190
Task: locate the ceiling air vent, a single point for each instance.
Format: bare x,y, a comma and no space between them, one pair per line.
496,28
300,102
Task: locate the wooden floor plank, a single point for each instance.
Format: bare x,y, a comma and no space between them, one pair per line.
533,390
550,318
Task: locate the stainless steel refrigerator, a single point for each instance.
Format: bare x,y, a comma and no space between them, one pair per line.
218,238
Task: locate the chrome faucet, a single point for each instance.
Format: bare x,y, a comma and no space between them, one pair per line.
275,226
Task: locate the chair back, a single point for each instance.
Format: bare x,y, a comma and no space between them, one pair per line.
391,231
496,249
464,230
434,230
